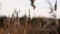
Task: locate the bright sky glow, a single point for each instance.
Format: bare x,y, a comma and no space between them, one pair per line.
42,7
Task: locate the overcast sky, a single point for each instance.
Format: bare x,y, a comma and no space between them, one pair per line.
42,7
